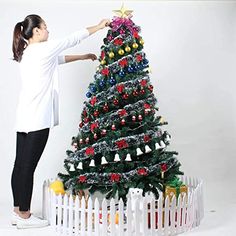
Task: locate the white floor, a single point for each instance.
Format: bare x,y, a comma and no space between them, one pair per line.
219,219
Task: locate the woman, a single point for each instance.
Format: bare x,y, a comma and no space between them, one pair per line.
38,104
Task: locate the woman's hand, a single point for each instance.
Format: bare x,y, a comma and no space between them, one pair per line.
104,23
91,56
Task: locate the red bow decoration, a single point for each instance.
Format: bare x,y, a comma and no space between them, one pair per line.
123,62
82,179
122,112
89,151
142,171
146,138
118,42
93,126
120,88
143,82
135,34
139,57
115,177
105,71
122,144
147,106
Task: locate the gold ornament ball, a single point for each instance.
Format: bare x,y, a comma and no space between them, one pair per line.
127,49
103,62
111,54
141,41
121,52
135,45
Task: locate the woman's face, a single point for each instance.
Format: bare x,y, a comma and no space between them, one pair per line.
43,32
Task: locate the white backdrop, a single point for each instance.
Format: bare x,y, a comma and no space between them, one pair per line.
191,46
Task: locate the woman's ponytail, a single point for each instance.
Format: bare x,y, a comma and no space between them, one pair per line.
19,43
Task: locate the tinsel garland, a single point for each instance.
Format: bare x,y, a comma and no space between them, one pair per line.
104,147
103,179
108,119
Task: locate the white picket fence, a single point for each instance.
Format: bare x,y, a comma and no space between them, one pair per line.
72,216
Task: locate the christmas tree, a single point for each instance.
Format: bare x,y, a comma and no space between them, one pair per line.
120,144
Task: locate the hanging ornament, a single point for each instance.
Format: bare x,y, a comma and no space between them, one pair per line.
141,41
81,141
115,101
162,144
93,88
128,157
92,163
72,168
135,93
140,118
112,81
143,82
102,83
163,170
96,113
139,152
134,118
87,140
150,88
105,108
125,96
113,127
121,52
104,161
130,69
95,136
88,95
80,166
157,146
121,73
104,132
117,157
127,49
122,122
111,54
135,45
142,91
147,149
146,111
103,62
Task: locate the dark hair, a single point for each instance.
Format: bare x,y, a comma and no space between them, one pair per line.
22,32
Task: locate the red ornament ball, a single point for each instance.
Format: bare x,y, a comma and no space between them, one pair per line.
133,118
115,102
123,122
105,108
150,88
95,136
87,140
86,120
81,124
113,127
140,117
96,113
125,96
142,91
104,132
135,93
81,141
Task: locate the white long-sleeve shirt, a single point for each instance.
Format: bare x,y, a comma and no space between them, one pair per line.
38,106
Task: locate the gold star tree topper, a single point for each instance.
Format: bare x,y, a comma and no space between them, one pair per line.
123,12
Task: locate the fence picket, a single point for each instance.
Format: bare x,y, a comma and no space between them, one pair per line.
70,216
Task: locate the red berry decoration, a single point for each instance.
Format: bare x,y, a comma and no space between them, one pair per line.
133,118
87,140
86,120
96,113
95,136
122,112
105,108
150,88
115,102
104,132
113,127
82,179
142,91
125,96
123,122
135,93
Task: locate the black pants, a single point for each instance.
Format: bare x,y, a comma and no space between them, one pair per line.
29,148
